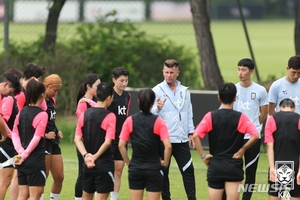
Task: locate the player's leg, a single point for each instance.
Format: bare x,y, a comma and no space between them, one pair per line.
104,184
154,181
119,165
5,179
57,172
216,189
14,186
88,186
136,182
78,184
182,154
251,158
35,192
87,196
23,192
23,186
165,194
215,194
36,183
232,190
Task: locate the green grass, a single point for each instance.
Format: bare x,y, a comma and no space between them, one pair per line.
272,41
177,189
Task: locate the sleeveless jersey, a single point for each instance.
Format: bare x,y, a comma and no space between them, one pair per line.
36,159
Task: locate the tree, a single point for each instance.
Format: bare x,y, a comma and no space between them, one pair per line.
209,66
297,28
51,25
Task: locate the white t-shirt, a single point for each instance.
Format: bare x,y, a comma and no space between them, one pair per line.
249,100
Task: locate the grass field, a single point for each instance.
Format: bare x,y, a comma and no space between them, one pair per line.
177,189
272,41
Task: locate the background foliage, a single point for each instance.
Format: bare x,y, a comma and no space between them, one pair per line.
99,48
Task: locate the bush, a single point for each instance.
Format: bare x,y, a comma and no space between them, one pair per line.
99,48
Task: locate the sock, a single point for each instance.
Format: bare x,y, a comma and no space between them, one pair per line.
42,197
54,196
78,198
114,195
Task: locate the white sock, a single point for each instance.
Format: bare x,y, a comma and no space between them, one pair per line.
42,197
114,195
54,196
78,198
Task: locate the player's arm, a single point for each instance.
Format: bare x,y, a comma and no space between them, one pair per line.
263,113
270,128
78,136
108,124
3,129
246,126
202,129
39,123
270,154
124,137
271,108
161,129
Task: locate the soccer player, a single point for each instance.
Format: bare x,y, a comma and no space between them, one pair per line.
31,71
85,99
251,99
120,107
226,129
94,133
54,162
146,132
28,133
282,136
286,87
9,84
7,151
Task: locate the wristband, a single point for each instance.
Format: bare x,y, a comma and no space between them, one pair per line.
84,155
203,156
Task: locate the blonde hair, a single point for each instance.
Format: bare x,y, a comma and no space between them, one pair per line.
53,80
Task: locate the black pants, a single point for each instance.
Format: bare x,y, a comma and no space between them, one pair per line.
78,184
182,155
251,157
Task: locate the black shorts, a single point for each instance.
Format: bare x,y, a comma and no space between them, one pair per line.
152,180
32,178
52,148
116,151
224,170
6,153
98,182
218,184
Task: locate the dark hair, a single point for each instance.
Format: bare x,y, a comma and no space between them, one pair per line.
33,91
246,62
14,82
294,62
104,90
227,92
16,72
146,99
90,79
32,70
171,63
119,71
287,103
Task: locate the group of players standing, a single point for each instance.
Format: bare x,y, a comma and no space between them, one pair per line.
30,136
162,129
